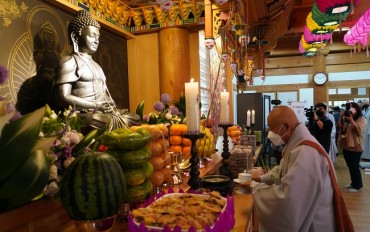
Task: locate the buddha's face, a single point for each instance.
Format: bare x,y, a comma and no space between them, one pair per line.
88,41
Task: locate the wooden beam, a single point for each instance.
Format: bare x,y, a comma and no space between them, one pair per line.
71,8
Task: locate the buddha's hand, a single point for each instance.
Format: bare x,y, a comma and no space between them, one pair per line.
104,106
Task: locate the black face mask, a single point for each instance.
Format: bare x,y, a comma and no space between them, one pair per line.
319,113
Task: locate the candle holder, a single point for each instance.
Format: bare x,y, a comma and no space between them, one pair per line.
252,129
248,130
225,168
194,181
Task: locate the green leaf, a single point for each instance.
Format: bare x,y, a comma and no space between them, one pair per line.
140,110
18,139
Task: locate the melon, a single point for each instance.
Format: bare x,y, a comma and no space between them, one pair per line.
93,187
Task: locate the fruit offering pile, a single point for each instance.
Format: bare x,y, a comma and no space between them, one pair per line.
206,145
130,148
234,132
178,143
160,160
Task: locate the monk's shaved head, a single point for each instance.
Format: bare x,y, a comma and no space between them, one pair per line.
282,120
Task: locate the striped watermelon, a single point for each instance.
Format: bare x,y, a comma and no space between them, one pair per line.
93,187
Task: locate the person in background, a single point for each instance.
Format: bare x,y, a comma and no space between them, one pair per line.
333,151
366,113
352,125
296,195
322,128
336,114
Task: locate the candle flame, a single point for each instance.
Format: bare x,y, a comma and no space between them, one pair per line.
192,80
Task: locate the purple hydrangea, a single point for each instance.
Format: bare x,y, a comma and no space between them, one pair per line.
4,74
174,110
165,98
158,106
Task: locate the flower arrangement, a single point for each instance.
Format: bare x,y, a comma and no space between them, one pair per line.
59,156
167,111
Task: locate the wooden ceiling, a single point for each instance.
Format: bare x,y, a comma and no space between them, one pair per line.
286,20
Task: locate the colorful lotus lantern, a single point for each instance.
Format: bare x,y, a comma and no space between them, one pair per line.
315,38
334,6
233,67
360,32
209,42
166,5
317,29
324,19
221,2
243,40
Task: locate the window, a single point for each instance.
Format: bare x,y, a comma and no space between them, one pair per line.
205,82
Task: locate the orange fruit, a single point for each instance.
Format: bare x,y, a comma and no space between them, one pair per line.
167,174
155,147
165,144
157,178
155,132
175,139
164,129
166,158
177,148
186,150
157,162
184,128
186,142
175,129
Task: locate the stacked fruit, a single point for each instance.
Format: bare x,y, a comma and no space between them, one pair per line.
160,160
24,170
178,143
206,145
130,148
234,132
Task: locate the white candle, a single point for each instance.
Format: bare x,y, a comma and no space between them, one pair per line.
224,116
248,118
192,106
253,116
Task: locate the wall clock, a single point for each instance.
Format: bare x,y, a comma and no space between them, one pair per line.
320,78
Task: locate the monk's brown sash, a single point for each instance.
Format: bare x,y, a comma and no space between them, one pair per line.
343,220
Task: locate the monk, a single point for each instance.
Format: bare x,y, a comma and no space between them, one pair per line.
296,195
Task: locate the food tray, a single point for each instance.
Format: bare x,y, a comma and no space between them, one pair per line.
225,219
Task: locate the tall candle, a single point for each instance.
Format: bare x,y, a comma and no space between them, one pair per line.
224,115
192,106
253,116
248,118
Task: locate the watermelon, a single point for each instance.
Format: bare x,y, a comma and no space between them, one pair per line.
93,187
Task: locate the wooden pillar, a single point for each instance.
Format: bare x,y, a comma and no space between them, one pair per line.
208,26
174,61
320,93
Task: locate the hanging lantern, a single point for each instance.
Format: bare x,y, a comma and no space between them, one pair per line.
243,40
333,6
221,2
317,29
167,5
233,67
209,42
323,19
224,57
315,38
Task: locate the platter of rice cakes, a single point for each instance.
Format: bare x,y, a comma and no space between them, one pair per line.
181,210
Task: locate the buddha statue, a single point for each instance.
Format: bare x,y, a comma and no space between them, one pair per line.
80,81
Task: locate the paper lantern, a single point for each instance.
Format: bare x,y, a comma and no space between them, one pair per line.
224,57
221,2
317,29
310,47
243,40
323,19
233,67
333,6
209,42
167,5
304,52
315,38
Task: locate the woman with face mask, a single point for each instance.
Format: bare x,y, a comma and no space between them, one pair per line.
351,139
366,113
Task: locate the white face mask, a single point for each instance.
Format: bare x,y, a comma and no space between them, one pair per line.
353,110
275,138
